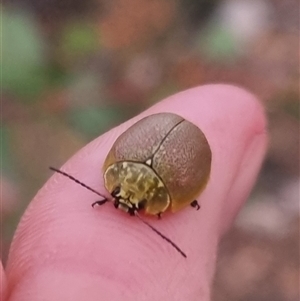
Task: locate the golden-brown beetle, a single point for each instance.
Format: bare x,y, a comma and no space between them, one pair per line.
160,163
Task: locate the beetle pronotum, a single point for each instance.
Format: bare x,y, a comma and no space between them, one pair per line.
161,163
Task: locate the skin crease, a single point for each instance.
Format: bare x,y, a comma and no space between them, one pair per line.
65,250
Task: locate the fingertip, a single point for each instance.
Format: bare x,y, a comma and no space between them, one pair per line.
65,233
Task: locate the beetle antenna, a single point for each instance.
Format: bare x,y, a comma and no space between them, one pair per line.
161,235
77,181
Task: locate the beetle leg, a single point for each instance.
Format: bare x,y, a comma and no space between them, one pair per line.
99,203
116,203
195,204
132,211
159,215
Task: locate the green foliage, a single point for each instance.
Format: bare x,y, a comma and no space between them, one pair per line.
23,61
93,121
5,150
218,44
78,40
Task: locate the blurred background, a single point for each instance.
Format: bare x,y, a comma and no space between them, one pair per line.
73,69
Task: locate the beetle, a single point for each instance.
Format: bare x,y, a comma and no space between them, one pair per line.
161,163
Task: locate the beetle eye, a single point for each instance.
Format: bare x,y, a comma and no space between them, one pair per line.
116,191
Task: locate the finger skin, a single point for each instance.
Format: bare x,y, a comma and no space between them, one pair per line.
65,250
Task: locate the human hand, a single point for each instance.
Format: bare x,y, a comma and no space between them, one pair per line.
65,250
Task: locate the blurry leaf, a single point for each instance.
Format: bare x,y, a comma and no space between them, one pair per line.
217,44
93,121
57,76
79,39
23,62
5,150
